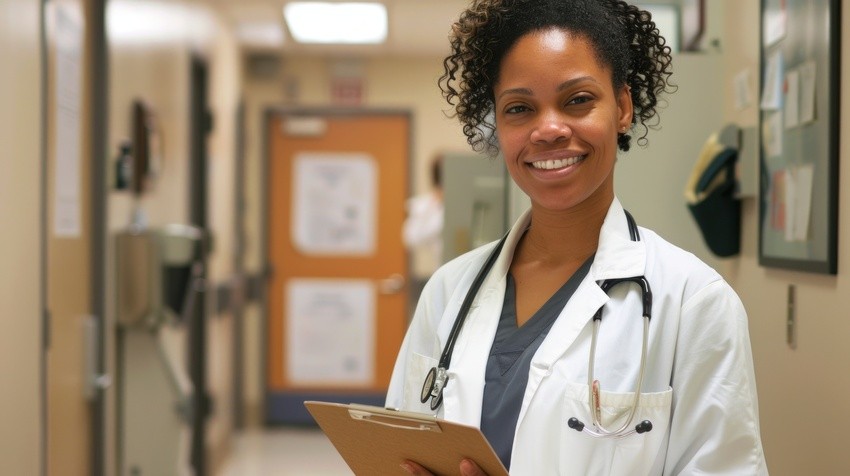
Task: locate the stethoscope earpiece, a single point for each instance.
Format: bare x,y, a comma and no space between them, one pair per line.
643,427
640,428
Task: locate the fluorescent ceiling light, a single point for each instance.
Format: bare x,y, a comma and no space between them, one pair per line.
321,22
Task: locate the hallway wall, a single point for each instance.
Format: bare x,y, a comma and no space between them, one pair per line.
154,66
802,392
20,260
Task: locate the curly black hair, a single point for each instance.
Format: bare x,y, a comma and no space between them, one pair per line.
625,39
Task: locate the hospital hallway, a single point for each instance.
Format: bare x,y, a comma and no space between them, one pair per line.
288,451
203,220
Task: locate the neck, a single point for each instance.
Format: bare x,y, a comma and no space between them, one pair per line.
560,236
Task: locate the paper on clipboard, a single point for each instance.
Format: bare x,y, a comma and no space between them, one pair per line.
375,440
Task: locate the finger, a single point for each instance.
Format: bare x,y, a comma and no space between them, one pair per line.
415,469
469,468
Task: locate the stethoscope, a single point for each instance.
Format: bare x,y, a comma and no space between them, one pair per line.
435,381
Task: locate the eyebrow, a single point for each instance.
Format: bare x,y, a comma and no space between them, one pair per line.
565,85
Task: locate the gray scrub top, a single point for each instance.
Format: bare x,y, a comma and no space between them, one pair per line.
510,357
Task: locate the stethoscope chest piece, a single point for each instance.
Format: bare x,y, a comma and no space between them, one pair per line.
432,388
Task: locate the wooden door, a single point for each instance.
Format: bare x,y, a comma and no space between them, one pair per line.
72,336
337,299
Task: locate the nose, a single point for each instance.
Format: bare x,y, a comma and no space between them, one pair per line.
551,128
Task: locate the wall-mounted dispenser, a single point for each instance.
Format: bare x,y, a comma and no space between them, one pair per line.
158,282
156,277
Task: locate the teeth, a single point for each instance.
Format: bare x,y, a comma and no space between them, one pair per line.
557,164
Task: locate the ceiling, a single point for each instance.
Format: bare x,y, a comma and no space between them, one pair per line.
416,27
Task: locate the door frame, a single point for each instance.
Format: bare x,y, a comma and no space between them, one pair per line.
95,89
201,124
326,111
98,143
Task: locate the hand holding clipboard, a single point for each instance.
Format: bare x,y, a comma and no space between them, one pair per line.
377,441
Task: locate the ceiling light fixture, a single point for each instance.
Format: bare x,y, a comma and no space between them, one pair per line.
346,23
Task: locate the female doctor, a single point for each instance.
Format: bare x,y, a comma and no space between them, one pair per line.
562,83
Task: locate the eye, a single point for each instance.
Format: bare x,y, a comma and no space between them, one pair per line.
516,109
581,99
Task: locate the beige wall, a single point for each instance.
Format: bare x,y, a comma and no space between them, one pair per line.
156,69
802,393
20,259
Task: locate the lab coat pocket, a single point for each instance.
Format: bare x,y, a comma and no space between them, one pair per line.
633,454
418,366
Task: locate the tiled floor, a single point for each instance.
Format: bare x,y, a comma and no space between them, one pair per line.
284,452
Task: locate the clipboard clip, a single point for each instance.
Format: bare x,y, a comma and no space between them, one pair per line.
391,421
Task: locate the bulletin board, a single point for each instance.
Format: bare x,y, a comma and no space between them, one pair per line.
799,114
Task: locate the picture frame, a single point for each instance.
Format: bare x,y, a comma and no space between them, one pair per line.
799,117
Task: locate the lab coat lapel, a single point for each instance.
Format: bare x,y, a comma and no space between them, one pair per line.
616,257
464,393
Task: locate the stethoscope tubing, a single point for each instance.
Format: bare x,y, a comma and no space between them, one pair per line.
446,357
437,377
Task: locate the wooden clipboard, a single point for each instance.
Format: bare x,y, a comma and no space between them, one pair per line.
375,440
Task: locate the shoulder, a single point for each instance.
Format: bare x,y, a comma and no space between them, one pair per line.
680,271
663,256
423,203
699,297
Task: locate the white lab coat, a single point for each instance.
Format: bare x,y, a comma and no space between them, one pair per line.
699,390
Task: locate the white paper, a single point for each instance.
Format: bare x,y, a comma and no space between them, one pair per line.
334,204
807,91
792,99
772,132
790,205
68,88
775,25
743,93
771,99
798,202
330,331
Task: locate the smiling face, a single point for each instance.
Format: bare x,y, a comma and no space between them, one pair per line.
557,118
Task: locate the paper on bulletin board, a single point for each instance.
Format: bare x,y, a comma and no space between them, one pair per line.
771,98
778,201
798,202
775,24
334,203
772,132
330,329
808,78
68,59
792,99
